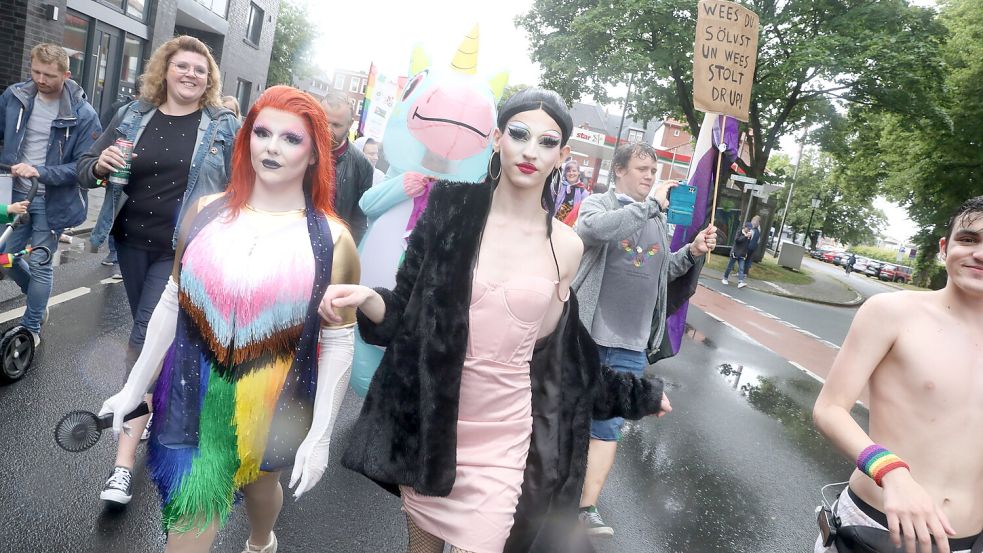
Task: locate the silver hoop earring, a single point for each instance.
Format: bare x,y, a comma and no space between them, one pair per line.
492,158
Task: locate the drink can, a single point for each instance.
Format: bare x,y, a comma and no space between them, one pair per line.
122,175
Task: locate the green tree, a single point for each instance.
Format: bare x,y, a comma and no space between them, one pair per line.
812,54
844,212
292,41
932,167
510,90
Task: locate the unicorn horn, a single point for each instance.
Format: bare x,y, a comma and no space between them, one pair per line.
466,58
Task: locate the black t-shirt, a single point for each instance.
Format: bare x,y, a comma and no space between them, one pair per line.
158,180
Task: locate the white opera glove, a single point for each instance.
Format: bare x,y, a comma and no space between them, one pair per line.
334,367
160,336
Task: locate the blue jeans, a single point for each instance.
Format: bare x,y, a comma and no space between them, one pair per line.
623,360
33,278
740,268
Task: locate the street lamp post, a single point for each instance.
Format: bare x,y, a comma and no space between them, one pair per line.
815,203
621,126
791,188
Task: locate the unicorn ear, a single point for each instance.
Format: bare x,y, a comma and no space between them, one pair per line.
419,60
497,83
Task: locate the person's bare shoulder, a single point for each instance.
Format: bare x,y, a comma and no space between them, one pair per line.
886,312
884,305
569,247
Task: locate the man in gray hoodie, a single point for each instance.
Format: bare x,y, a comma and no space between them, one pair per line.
622,287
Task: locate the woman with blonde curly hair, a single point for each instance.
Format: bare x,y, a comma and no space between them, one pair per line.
182,140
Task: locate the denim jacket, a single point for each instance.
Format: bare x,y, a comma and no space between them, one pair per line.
72,131
208,174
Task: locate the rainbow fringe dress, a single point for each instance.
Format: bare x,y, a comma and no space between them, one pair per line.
235,394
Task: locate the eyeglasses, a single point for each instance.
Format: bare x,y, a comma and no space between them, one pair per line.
184,68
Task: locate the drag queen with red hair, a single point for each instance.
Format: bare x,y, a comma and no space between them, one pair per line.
250,379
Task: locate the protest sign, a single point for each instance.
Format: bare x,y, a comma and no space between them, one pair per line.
725,54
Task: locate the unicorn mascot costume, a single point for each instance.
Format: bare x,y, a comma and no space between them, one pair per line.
440,129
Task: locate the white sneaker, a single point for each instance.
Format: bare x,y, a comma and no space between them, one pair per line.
36,337
268,548
741,285
724,281
117,489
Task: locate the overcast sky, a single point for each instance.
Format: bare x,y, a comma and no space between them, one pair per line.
385,32
355,34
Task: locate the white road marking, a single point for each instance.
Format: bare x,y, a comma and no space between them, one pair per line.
777,287
807,333
807,371
714,317
830,344
111,280
53,300
740,332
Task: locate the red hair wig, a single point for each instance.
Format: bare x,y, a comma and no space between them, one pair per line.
319,178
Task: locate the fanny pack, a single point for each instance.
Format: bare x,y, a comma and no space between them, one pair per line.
864,539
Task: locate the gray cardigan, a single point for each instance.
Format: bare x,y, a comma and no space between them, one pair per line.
603,219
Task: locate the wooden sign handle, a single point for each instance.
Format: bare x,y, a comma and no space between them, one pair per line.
716,181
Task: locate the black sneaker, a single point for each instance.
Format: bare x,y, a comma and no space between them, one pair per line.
592,522
117,489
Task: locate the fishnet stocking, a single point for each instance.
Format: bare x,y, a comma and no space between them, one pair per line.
421,541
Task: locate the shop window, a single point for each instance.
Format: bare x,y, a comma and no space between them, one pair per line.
136,9
355,85
243,88
255,28
339,82
129,68
75,42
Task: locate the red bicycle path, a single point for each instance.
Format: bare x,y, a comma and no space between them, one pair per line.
794,346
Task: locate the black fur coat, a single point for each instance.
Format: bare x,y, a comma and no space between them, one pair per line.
406,432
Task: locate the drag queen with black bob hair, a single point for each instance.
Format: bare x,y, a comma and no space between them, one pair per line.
479,413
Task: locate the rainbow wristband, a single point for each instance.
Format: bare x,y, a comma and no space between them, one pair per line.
875,462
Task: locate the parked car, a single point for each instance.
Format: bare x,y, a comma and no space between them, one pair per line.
895,273
873,268
830,256
841,258
861,264
817,253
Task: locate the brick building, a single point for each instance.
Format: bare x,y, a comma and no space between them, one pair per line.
353,84
109,41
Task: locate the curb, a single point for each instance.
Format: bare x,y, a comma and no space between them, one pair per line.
852,303
859,299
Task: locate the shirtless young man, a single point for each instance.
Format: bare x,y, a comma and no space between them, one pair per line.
921,353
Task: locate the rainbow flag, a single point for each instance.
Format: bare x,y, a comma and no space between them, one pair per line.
369,88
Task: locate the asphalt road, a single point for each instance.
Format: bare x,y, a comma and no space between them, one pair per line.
865,285
828,322
736,467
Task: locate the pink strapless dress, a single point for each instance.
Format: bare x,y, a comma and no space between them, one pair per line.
494,418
